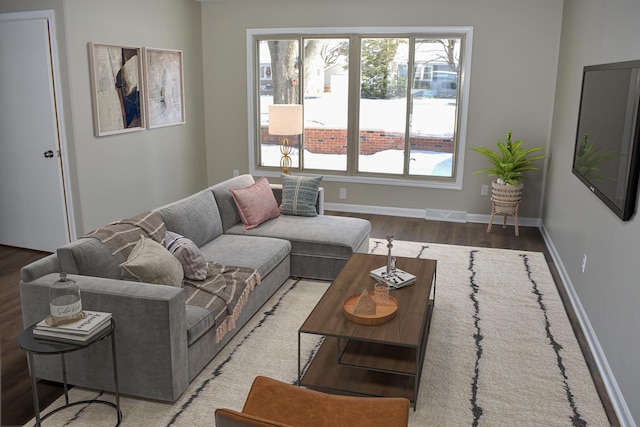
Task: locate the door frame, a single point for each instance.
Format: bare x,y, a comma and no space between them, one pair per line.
63,164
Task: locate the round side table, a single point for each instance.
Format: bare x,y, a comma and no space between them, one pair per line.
33,345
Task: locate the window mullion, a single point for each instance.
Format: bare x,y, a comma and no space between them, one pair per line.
300,86
353,121
409,117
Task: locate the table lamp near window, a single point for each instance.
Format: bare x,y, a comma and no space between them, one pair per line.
285,120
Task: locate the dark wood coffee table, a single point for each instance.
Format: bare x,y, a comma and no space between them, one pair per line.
379,360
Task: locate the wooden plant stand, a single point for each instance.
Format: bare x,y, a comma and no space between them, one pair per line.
504,208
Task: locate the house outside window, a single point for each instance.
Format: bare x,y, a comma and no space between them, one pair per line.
366,118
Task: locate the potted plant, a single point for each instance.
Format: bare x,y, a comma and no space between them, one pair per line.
508,164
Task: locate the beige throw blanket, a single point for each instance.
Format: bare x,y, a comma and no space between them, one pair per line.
224,291
122,236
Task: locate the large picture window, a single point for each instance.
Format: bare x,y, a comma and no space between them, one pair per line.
379,105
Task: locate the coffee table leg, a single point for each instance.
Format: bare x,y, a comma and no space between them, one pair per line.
299,377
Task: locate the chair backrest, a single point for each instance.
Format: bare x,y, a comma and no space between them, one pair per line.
231,418
270,399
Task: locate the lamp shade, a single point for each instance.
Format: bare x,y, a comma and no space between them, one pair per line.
285,119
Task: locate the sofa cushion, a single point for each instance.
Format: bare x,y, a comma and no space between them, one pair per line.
323,235
229,213
299,195
259,253
189,255
320,245
90,257
256,203
150,262
195,217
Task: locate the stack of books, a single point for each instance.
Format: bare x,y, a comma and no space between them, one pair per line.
396,278
92,323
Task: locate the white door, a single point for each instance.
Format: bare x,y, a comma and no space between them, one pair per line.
33,211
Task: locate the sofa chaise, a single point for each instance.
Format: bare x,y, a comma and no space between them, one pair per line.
163,342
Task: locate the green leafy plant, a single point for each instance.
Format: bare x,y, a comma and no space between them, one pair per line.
589,158
510,161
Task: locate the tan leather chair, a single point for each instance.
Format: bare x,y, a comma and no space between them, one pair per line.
274,403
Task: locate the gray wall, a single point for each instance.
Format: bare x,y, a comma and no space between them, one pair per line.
577,222
122,175
515,64
515,54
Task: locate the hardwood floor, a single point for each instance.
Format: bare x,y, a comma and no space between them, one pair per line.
17,405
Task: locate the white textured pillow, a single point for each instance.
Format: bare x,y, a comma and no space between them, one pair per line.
189,255
150,262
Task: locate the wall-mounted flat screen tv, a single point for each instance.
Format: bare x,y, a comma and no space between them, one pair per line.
606,156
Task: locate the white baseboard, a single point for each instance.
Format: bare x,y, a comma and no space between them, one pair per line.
377,210
431,214
617,399
497,220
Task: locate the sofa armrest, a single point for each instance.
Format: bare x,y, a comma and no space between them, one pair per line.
277,192
151,336
42,267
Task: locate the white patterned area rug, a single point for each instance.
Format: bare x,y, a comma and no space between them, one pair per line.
501,351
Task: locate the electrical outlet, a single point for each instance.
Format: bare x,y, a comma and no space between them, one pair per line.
343,193
236,172
484,190
584,262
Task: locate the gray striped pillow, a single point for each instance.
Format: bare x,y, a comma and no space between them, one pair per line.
299,195
189,255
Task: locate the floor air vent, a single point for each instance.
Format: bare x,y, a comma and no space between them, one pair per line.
451,216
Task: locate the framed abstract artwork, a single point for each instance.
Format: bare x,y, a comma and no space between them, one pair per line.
164,87
117,88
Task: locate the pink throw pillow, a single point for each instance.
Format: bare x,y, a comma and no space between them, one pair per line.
256,203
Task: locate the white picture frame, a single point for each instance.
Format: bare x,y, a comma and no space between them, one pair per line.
117,88
164,87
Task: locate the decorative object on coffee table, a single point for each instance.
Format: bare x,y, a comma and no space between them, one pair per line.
364,304
389,274
382,313
381,293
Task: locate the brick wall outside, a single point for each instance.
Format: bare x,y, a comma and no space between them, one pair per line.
334,141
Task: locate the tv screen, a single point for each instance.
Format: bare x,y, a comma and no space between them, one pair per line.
606,150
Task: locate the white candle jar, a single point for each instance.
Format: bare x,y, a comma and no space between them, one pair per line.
64,301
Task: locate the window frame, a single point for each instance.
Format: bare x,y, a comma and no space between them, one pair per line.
464,32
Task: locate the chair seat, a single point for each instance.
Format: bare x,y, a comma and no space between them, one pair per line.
274,403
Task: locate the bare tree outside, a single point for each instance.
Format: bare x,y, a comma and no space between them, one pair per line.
284,55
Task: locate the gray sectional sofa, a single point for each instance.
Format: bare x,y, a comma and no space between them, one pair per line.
162,342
